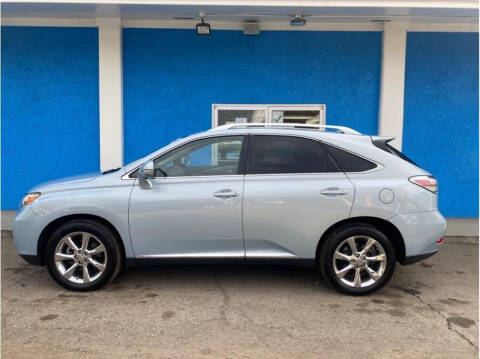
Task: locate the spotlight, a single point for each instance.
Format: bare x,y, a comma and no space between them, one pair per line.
299,20
251,28
203,28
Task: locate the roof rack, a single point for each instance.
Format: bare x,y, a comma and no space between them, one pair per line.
342,129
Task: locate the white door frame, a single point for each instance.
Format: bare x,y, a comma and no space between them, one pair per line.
268,108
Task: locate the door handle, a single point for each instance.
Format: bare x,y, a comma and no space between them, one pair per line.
334,191
226,193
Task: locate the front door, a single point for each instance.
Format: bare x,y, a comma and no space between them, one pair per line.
194,208
293,192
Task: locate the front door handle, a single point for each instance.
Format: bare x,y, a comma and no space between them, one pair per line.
334,191
225,194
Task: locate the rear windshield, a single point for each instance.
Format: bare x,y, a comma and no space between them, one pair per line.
383,145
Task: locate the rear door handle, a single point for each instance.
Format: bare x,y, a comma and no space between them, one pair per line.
226,193
334,191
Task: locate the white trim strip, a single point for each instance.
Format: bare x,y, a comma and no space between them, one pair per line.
470,24
442,4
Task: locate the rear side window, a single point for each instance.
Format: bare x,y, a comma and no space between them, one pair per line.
288,154
350,162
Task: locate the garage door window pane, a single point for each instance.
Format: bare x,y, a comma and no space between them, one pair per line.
240,116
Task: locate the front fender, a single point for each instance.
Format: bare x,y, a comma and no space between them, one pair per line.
108,203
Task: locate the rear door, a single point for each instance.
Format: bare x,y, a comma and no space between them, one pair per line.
293,192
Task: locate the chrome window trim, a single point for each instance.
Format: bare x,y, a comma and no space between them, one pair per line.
378,167
126,176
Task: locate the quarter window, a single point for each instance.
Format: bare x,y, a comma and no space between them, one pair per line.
288,154
206,157
350,162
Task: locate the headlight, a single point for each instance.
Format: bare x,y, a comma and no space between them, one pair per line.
29,198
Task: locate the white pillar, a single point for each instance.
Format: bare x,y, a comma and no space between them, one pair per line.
393,81
110,92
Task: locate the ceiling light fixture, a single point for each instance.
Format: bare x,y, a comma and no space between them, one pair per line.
298,20
251,28
202,28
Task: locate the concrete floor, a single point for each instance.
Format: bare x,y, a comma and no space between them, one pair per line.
429,309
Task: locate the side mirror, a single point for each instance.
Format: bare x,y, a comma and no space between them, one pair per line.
144,175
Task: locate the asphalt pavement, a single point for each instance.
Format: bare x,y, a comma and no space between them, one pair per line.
429,309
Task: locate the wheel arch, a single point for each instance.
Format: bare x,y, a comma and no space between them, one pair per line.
390,230
52,226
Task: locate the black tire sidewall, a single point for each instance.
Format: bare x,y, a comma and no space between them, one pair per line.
326,258
103,234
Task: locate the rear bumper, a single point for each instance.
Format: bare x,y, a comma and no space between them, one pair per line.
415,259
420,232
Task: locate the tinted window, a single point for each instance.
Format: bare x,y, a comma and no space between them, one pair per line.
350,162
286,154
207,157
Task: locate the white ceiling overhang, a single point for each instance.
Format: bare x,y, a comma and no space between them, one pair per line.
236,11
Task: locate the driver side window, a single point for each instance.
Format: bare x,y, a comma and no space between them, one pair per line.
215,156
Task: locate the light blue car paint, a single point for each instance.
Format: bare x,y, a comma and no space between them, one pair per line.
279,216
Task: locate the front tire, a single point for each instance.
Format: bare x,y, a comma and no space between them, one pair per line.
358,259
83,255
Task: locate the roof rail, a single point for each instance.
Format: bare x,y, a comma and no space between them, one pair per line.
342,129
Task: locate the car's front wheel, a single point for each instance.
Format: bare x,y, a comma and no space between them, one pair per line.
83,255
358,259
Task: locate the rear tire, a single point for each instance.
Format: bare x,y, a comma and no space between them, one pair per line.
83,255
357,260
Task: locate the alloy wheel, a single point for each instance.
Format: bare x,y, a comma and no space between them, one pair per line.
359,261
81,257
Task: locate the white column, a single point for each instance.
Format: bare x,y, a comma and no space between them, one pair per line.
110,92
393,80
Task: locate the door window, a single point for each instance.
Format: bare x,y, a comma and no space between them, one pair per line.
215,156
288,154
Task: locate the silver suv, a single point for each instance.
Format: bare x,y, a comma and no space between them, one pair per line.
323,196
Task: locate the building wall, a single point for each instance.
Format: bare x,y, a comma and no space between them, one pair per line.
172,77
49,106
441,115
50,111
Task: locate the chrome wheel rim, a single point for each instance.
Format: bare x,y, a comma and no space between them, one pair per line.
81,257
359,261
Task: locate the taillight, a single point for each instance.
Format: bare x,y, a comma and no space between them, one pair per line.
427,182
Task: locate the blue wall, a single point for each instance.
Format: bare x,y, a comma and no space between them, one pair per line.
441,115
49,106
172,77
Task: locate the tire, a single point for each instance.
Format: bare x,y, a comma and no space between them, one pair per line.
67,268
337,254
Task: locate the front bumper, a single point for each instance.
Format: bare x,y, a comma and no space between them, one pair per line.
32,259
420,232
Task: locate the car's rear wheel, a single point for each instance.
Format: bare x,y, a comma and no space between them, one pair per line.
83,255
358,259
